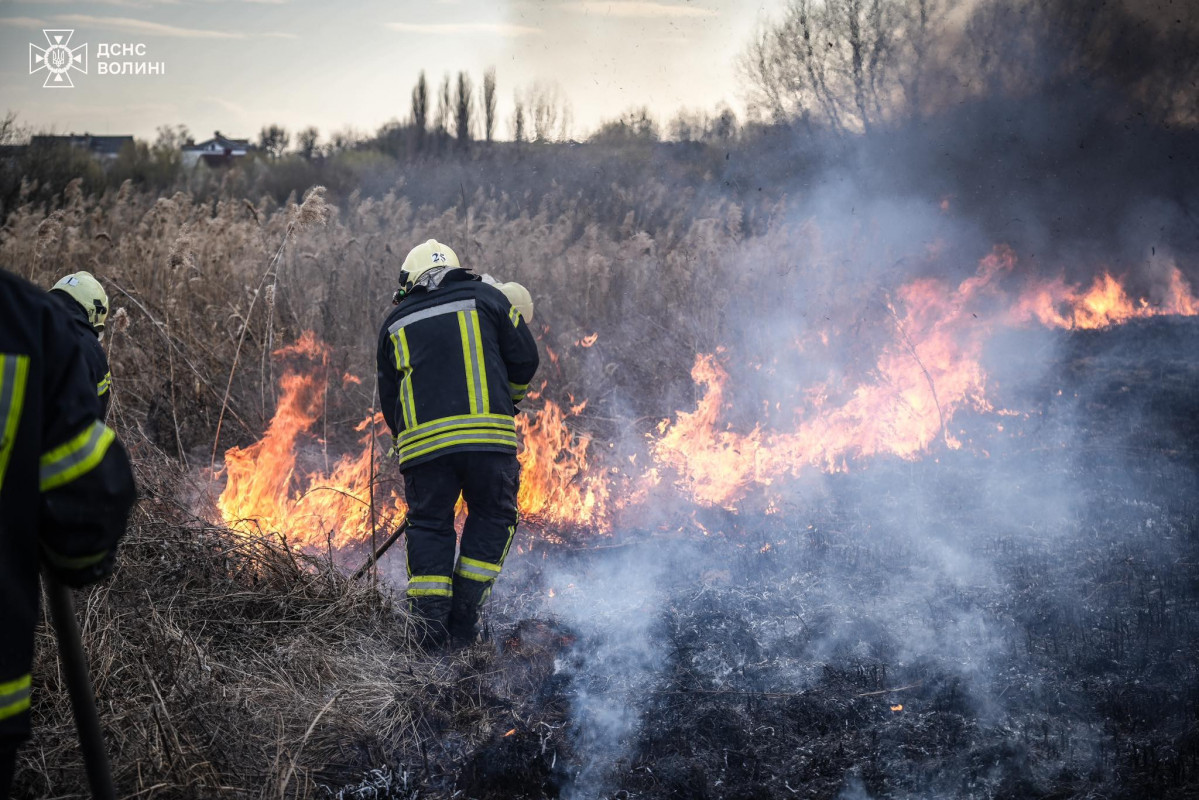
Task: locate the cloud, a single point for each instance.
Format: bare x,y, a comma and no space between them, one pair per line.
451,28
140,26
639,9
22,22
147,28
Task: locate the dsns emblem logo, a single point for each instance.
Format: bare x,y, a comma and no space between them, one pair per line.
58,59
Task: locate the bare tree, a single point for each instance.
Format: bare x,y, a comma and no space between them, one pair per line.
11,132
462,108
420,109
345,139
635,125
845,64
518,121
489,104
441,122
273,139
306,142
548,111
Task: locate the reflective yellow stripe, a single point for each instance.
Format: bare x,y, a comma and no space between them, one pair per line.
489,421
486,429
517,390
464,331
77,562
480,363
476,570
514,315
455,438
404,365
14,371
104,385
14,696
430,585
511,536
68,461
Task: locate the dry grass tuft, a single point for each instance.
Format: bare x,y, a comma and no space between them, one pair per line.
227,665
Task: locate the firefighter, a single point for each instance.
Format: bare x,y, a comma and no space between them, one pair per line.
455,357
84,301
65,485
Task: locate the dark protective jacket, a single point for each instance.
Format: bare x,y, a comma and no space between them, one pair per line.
453,363
65,482
89,340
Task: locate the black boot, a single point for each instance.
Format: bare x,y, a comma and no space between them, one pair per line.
429,617
464,613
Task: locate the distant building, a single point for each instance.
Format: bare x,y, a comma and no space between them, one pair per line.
104,148
216,152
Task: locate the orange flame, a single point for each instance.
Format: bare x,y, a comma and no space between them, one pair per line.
270,486
555,483
266,490
930,370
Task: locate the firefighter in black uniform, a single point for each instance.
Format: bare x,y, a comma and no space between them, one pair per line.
83,300
65,485
455,357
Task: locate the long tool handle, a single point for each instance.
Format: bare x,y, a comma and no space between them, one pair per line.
383,548
79,685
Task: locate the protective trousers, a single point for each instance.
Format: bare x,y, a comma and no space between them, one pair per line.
445,596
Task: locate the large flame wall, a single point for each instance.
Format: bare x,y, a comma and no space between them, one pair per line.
928,371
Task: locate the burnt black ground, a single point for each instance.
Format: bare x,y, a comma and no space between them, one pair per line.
1015,619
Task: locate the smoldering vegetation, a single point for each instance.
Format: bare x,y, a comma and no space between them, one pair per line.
1011,626
1012,619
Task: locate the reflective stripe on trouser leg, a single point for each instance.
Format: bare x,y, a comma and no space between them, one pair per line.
430,586
14,696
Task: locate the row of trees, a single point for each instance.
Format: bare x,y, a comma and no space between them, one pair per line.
457,114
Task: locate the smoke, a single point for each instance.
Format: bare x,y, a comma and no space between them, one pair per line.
934,587
615,609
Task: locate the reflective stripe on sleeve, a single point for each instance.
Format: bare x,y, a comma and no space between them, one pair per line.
430,585
477,570
14,696
104,385
514,316
76,457
404,365
76,562
14,371
518,391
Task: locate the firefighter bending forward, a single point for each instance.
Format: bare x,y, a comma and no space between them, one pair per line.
65,485
455,357
83,301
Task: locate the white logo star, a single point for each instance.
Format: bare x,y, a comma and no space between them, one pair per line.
58,59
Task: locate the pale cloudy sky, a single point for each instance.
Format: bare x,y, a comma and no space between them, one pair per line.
236,65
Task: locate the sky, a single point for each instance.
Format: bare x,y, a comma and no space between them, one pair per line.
237,65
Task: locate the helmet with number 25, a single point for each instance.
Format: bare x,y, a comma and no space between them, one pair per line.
424,257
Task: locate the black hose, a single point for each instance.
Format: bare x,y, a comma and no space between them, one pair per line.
79,685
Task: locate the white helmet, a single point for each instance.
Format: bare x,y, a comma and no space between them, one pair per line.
424,257
87,292
519,297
